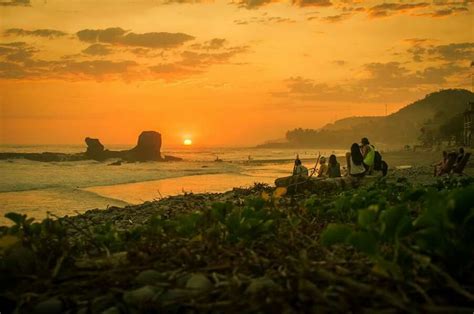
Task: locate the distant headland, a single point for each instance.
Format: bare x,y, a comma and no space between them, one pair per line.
148,148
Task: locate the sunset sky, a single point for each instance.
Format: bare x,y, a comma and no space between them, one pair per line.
223,73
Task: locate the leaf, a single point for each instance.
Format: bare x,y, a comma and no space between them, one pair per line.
334,234
15,217
279,192
7,241
265,196
364,242
366,217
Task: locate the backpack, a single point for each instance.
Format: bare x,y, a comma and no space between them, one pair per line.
377,161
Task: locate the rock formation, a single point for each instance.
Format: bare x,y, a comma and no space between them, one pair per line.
148,149
95,149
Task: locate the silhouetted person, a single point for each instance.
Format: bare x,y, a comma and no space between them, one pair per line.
299,169
323,168
355,162
334,168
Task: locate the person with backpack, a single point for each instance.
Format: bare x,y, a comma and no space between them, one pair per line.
372,158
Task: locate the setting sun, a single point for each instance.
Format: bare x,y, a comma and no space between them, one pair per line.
188,142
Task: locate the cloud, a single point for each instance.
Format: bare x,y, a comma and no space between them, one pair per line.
94,68
119,36
10,70
198,59
97,50
17,51
14,3
312,3
265,20
49,33
389,81
387,9
212,44
340,62
336,18
253,4
421,49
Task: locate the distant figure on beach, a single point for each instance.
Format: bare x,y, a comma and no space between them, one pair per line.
334,168
355,162
322,170
218,159
299,169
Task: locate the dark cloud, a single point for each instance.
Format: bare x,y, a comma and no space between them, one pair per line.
422,49
49,33
17,51
119,36
387,9
14,3
312,3
10,70
213,44
253,4
336,18
382,82
445,12
97,50
454,51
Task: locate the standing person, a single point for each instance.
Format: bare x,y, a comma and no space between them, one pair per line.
355,162
368,152
334,168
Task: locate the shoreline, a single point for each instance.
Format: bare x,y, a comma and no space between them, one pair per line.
136,193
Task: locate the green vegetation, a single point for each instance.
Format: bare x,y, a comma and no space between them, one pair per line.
388,246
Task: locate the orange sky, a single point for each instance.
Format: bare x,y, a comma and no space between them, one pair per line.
220,72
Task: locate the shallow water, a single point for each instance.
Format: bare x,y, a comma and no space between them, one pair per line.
68,188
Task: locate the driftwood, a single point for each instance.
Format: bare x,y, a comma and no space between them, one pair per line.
301,183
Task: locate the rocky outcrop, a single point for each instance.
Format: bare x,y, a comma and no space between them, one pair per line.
148,148
95,149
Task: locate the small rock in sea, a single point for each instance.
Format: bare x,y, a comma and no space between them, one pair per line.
199,282
50,306
148,277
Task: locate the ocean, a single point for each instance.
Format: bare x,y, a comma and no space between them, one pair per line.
69,188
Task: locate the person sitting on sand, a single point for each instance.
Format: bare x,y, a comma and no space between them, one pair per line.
299,169
323,168
355,162
334,168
